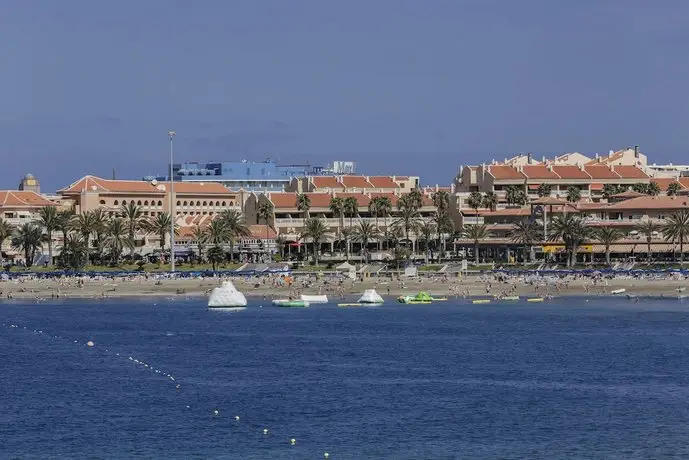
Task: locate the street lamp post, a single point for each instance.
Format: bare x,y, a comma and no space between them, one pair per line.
172,134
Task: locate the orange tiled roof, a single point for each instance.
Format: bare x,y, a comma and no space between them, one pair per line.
684,181
630,172
319,200
652,202
326,182
199,188
502,172
570,172
601,172
23,199
596,186
355,182
538,172
663,183
283,199
93,183
362,199
383,182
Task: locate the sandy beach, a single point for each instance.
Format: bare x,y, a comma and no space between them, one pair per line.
268,287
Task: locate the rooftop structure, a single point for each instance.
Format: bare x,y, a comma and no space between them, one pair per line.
351,183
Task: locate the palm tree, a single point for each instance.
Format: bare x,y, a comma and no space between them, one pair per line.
365,232
28,238
216,255
347,235
427,231
475,201
48,219
476,233
573,194
490,200
640,187
444,225
572,230
673,188
75,253
416,198
351,208
65,219
316,230
131,213
441,201
612,189
84,224
383,209
218,234
653,189
236,227
200,235
526,232
5,232
676,229
303,204
265,212
337,208
649,229
160,225
100,224
544,190
515,195
116,238
607,236
409,216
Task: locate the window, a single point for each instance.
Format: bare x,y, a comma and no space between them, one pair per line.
179,203
217,203
160,203
186,203
231,203
116,203
124,202
145,213
198,203
146,203
138,203
223,203
102,201
205,203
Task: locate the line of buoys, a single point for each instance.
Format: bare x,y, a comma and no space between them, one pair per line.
147,366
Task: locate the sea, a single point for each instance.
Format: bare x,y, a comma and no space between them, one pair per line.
569,378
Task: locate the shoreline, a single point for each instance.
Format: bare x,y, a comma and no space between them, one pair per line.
268,287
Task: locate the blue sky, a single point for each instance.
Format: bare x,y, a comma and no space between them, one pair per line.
400,86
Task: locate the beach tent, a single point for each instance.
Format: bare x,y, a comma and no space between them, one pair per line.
347,269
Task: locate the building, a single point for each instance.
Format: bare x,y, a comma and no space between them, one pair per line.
353,184
249,249
30,184
265,176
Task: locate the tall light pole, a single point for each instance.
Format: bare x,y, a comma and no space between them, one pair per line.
172,134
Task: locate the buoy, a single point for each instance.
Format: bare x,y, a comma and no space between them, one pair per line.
215,412
326,455
187,407
293,441
236,417
89,343
178,385
265,431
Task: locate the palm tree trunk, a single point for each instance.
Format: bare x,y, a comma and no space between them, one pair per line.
648,259
681,252
525,249
476,253
231,250
50,247
607,254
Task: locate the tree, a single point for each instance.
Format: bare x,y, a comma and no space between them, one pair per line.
216,256
265,212
427,231
160,225
28,238
444,225
409,216
75,253
416,198
653,189
116,238
5,232
572,231
526,232
131,213
441,201
611,189
65,219
303,204
337,208
100,225
544,190
84,224
490,201
476,233
573,194
316,230
217,232
515,195
607,236
475,201
673,188
347,235
200,235
383,209
676,229
640,187
236,226
48,219
365,232
351,208
649,229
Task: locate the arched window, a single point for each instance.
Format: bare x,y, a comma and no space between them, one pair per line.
138,203
205,203
204,213
217,203
223,203
146,203
124,202
117,203
185,203
198,203
179,203
231,203
102,201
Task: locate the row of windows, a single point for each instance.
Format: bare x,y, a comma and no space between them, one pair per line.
138,203
179,203
145,213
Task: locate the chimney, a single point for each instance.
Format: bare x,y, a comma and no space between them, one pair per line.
611,153
636,151
528,158
543,158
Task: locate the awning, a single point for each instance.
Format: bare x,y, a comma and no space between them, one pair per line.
596,186
533,186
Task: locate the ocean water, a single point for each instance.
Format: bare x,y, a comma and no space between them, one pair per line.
561,380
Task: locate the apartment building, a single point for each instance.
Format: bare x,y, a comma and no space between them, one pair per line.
353,184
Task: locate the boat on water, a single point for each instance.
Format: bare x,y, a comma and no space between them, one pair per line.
535,299
314,298
291,303
370,296
618,291
480,301
226,296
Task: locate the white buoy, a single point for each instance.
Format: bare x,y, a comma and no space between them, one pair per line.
265,431
326,455
187,407
90,343
215,412
293,441
236,417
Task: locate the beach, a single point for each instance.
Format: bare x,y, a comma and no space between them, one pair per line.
272,286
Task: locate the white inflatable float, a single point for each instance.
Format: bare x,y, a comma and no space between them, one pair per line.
370,296
226,296
314,298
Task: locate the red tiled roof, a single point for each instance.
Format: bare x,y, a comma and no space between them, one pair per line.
393,198
383,182
570,172
199,188
596,186
501,172
652,202
319,200
362,199
630,172
684,181
23,199
355,182
283,199
93,183
601,172
326,182
538,172
663,183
